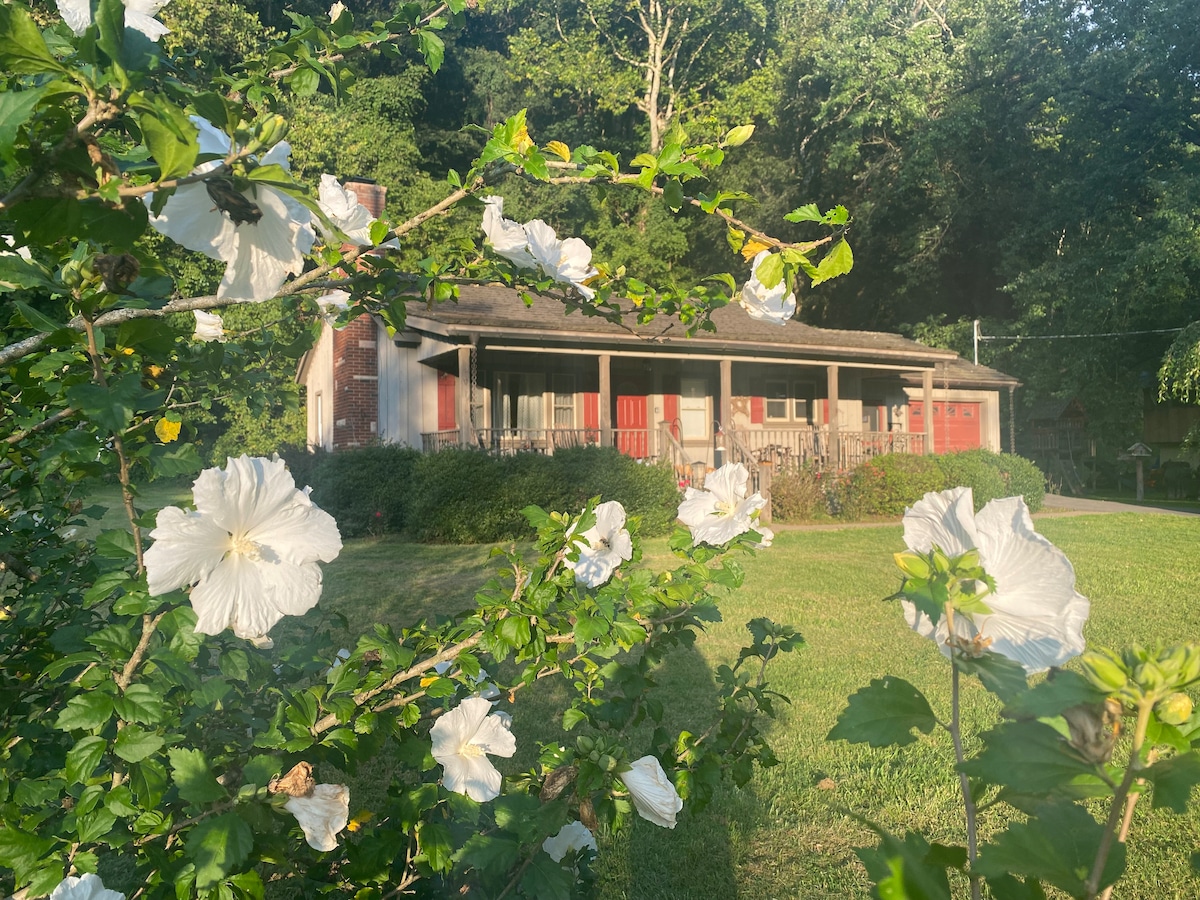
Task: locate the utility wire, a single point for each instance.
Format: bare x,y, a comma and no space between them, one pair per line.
1054,337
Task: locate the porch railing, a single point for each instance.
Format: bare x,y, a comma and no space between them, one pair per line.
794,448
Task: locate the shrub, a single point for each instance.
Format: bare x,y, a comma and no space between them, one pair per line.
1020,477
648,491
367,490
975,469
797,496
885,485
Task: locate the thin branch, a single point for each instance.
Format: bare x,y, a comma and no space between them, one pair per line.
40,426
149,625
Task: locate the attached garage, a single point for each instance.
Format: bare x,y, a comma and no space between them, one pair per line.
956,424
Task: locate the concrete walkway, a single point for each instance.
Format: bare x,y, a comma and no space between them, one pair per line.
1055,504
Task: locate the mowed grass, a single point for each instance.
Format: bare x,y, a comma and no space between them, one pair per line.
791,832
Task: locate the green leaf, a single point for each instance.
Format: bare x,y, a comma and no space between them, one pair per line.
770,270
884,713
16,108
572,717
110,19
488,854
1174,779
171,139
193,776
432,48
23,51
1052,696
304,82
806,213
1029,757
115,544
36,319
1058,845
1006,887
89,711
21,850
1002,676
904,870
644,161
134,744
140,703
94,824
838,261
547,880
514,631
83,758
218,846
112,407
435,845
673,194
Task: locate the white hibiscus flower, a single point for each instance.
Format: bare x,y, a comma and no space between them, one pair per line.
462,738
261,234
322,814
567,262
209,327
604,547
653,794
1036,615
346,212
776,305
335,11
84,887
506,236
139,15
571,838
722,511
250,548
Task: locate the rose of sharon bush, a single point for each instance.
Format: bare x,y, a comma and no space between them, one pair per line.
571,838
775,305
1036,615
250,548
84,887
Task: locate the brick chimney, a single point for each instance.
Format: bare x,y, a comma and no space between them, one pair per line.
356,355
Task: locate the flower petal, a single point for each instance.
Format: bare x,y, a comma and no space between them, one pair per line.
187,547
456,728
946,519
474,776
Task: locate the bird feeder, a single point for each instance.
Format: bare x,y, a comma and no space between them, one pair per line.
1140,452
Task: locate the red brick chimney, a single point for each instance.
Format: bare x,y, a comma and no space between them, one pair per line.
356,356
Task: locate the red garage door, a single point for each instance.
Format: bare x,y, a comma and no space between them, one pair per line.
956,425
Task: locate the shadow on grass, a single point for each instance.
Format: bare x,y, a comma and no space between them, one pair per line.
389,581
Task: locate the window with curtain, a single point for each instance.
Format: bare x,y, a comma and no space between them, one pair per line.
564,401
693,407
519,402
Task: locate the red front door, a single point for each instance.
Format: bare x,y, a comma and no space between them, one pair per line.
632,436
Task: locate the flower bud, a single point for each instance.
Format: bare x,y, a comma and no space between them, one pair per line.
1103,671
1149,677
272,130
1174,709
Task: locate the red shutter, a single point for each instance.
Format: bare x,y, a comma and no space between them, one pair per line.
757,410
670,407
447,401
591,410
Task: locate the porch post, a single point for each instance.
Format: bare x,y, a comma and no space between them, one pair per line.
835,443
726,394
606,436
927,406
462,397
1012,419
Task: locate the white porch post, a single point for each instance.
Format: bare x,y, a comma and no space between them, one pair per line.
462,396
835,443
927,406
726,393
606,425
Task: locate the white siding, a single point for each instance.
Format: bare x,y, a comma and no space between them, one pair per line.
319,383
407,393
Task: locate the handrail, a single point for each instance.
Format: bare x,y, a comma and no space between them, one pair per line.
745,457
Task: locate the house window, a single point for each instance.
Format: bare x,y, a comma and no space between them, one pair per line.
693,407
777,400
519,400
564,401
789,401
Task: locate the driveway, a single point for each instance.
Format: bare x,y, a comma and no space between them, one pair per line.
1054,504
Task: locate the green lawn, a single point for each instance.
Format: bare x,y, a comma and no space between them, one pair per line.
790,832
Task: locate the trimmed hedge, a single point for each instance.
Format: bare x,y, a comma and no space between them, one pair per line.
885,485
464,496
368,490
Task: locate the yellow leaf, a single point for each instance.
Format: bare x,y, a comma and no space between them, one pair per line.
166,430
427,680
521,141
360,820
752,248
559,149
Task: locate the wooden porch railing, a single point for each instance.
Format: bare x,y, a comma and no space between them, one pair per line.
793,448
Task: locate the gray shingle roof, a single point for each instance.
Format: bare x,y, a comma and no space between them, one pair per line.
495,311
